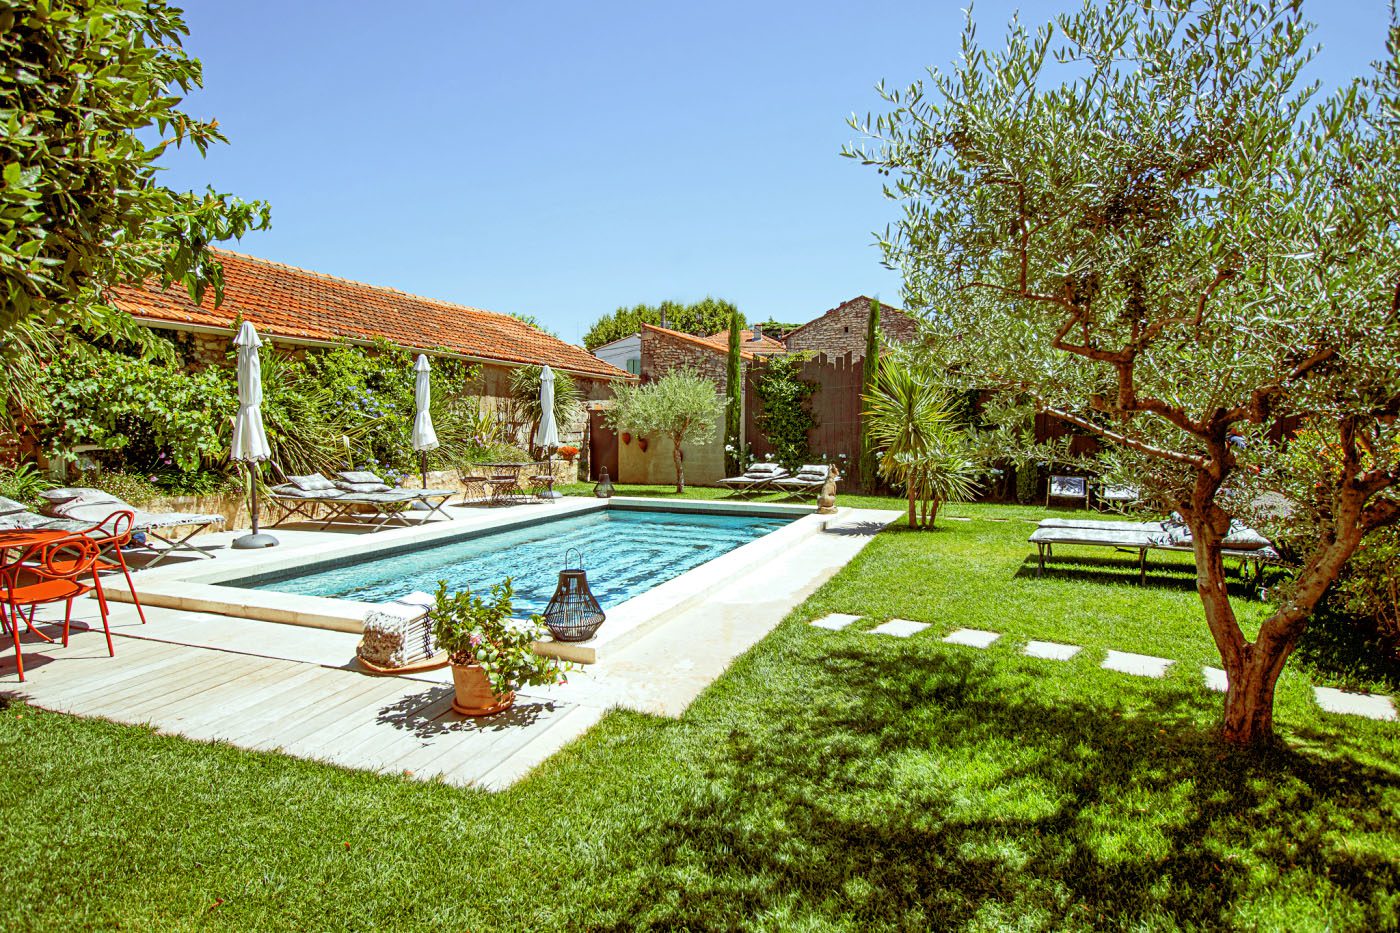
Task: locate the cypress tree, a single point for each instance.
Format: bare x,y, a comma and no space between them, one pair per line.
734,395
870,372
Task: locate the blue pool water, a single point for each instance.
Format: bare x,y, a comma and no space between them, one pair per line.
625,554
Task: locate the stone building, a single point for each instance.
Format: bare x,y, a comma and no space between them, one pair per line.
302,310
842,330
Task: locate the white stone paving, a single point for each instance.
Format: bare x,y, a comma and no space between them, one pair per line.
836,621
1050,650
1139,665
1215,679
899,628
1370,705
971,637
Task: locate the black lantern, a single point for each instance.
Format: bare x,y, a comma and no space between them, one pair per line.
573,613
604,489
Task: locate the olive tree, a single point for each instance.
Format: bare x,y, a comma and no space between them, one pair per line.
80,206
682,405
1139,220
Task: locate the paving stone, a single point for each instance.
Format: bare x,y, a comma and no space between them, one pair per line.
836,621
1370,705
1139,665
1051,650
957,518
899,628
973,638
1215,679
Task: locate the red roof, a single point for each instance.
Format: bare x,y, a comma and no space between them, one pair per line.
285,301
706,343
764,344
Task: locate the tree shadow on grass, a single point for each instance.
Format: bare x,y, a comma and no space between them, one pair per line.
941,791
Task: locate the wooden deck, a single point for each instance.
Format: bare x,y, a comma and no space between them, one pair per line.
331,714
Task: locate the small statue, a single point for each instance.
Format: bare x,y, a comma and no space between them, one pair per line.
826,502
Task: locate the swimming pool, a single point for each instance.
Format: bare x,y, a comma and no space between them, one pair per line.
625,553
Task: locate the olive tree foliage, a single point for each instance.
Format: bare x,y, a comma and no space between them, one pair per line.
1139,220
682,406
80,206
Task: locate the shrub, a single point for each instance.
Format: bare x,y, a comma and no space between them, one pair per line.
23,483
476,630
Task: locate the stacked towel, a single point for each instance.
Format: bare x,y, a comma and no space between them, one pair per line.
399,633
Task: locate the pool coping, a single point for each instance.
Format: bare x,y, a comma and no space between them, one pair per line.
197,587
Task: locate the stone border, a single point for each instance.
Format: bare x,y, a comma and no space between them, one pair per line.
201,587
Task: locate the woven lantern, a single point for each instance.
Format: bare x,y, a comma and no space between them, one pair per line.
573,613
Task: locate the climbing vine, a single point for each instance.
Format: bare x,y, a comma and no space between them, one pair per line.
785,413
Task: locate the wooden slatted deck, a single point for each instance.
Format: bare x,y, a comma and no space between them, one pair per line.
339,716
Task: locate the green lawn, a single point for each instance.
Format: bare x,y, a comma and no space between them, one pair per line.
827,781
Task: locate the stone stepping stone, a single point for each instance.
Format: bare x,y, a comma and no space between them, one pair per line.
973,638
1052,651
1215,679
836,621
1139,665
957,518
899,628
1370,705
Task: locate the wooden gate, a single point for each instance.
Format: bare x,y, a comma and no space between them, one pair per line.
602,447
835,406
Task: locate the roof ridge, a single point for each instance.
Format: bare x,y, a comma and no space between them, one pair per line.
691,338
379,288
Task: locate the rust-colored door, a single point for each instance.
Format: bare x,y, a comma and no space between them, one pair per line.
602,447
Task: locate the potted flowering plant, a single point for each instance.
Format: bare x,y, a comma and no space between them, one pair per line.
491,654
568,452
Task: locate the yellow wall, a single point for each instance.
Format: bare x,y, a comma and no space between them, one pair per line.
704,463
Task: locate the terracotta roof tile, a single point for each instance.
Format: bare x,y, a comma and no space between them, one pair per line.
764,345
705,342
285,301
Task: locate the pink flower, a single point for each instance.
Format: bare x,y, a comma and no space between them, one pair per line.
475,640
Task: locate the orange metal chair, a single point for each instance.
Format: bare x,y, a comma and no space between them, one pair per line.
50,573
111,535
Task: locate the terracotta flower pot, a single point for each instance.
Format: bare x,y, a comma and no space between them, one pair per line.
642,443
626,437
474,696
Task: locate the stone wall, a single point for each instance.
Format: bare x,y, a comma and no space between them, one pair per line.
704,462
842,330
663,352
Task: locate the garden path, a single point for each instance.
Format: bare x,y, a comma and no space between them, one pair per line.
1369,705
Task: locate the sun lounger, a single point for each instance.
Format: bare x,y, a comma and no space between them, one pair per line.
809,479
302,495
1242,544
363,481
85,504
757,478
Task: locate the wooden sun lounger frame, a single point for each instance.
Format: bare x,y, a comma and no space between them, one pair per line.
1137,539
744,486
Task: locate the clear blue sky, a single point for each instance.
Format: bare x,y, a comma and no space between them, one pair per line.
564,158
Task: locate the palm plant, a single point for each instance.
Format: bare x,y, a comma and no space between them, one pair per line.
525,397
909,419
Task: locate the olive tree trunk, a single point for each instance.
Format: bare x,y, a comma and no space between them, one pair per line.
679,458
1252,668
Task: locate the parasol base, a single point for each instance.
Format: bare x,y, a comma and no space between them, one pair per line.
249,542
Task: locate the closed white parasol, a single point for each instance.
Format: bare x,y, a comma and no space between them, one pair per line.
250,445
547,434
424,437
